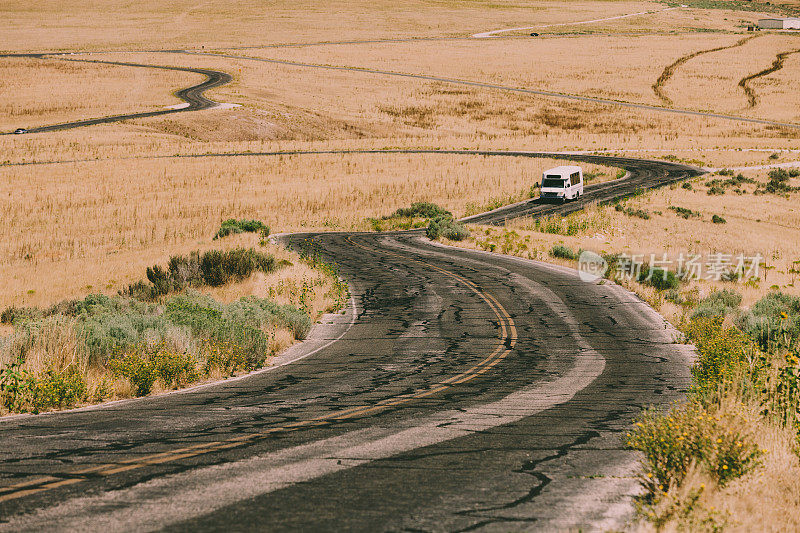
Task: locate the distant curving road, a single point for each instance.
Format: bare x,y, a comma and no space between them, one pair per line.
193,96
462,391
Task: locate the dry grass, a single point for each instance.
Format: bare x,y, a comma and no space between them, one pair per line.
57,25
616,67
123,216
607,66
283,286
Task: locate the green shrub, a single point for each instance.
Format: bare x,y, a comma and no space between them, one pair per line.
723,353
716,219
773,322
13,385
684,212
220,267
160,280
638,213
715,190
57,389
265,312
631,212
241,324
175,368
138,368
233,226
659,278
185,271
778,174
224,357
781,401
17,314
143,365
673,442
563,252
423,210
445,226
21,391
109,331
686,185
718,303
778,182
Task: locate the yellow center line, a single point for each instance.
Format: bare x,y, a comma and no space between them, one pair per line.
507,337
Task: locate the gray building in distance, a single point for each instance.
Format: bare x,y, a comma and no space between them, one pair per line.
787,23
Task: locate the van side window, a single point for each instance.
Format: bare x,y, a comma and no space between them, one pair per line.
575,178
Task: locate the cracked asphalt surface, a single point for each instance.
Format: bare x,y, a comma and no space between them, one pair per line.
467,391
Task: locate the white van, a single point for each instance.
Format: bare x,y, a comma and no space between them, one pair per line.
562,183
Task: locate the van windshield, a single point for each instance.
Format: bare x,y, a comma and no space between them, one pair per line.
553,182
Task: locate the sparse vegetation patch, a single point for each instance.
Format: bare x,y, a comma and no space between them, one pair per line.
233,226
418,215
779,182
445,226
632,212
563,252
684,212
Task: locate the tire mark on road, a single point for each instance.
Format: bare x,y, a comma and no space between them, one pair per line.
507,88
744,83
658,86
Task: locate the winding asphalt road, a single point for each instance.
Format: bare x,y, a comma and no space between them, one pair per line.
461,391
193,96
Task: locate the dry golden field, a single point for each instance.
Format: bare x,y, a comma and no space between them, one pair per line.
565,64
128,210
119,225
711,81
117,24
129,205
114,200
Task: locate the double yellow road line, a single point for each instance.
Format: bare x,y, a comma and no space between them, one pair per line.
507,338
